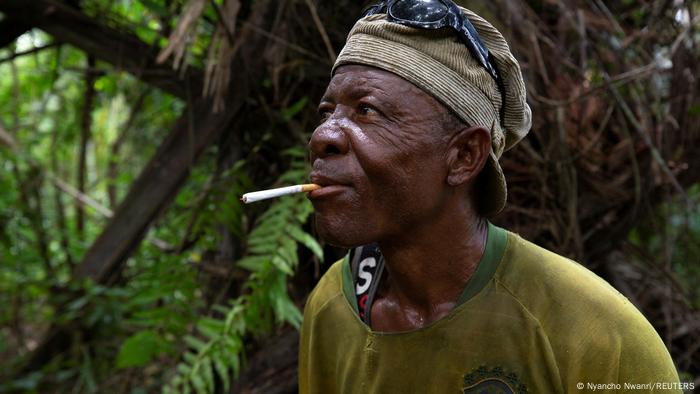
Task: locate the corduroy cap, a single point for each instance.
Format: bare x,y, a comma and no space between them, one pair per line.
438,63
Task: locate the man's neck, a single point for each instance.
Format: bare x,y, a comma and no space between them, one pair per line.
426,271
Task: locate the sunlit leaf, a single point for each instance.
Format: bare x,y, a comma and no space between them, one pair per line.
138,350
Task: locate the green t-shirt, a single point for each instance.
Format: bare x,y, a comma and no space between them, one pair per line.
528,321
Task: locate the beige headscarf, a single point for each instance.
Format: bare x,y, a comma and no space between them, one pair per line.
439,64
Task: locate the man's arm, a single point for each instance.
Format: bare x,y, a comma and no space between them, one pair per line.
629,359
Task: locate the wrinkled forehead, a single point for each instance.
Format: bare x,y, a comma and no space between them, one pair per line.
354,81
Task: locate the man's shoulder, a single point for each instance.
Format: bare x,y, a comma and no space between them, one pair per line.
543,280
582,316
328,287
566,297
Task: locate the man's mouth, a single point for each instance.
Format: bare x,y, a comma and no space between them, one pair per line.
330,186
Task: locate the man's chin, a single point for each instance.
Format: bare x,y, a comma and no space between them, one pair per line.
341,233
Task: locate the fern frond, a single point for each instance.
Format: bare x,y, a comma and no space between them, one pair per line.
272,257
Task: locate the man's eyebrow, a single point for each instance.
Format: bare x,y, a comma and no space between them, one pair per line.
357,92
354,93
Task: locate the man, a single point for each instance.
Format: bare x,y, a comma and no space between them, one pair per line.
424,99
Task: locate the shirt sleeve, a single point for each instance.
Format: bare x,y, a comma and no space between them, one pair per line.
327,288
645,365
304,345
630,359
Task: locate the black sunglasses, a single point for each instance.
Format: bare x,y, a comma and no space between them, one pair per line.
436,14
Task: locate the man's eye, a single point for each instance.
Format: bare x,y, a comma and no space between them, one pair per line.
365,109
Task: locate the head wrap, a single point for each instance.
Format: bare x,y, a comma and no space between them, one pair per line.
438,63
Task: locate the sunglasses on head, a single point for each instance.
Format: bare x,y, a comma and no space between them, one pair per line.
437,14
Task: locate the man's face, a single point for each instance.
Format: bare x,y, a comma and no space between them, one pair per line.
380,151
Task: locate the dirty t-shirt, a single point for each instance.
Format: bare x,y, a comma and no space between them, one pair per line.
528,321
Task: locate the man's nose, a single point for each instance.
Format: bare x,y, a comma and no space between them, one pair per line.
327,140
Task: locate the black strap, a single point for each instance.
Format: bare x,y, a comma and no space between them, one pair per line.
367,266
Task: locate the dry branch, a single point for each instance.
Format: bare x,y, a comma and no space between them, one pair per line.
179,40
29,52
631,142
222,49
321,30
81,197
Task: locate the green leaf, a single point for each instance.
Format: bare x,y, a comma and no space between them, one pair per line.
194,343
232,345
307,240
156,8
296,152
222,371
210,327
290,112
253,263
139,349
184,368
269,239
288,253
294,176
282,265
262,248
199,386
208,374
269,220
191,359
235,364
694,110
222,309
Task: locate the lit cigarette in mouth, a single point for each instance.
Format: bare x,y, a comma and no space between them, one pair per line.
282,191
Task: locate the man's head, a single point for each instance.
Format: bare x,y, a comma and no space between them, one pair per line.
410,120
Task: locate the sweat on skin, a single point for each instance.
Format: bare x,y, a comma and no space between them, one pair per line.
401,180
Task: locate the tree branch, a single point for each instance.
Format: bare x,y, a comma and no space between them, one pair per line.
10,29
29,52
123,50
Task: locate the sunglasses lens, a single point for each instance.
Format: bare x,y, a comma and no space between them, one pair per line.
424,11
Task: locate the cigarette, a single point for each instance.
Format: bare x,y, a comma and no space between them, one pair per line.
281,191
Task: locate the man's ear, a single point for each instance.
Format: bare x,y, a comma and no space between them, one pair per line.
467,153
